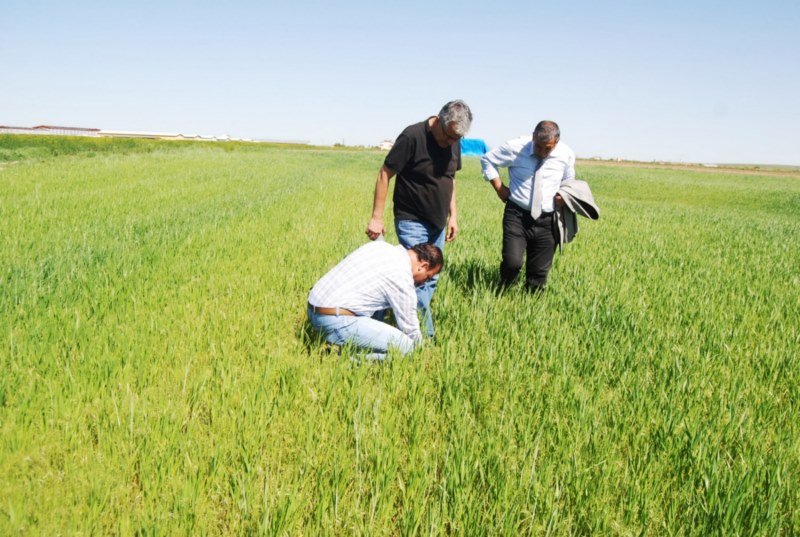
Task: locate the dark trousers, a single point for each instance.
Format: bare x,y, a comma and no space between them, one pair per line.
521,233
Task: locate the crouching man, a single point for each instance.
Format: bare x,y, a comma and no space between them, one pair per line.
375,277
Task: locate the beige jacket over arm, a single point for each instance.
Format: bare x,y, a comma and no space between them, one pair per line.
578,200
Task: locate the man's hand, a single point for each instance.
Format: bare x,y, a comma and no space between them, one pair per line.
375,228
558,201
503,192
452,230
500,189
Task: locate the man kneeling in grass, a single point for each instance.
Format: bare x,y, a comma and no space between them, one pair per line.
344,306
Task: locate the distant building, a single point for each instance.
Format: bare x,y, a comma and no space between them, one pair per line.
165,136
50,130
80,131
136,134
386,145
5,129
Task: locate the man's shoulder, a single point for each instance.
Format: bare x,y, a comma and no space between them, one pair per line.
376,245
411,137
382,247
415,129
563,150
520,144
391,258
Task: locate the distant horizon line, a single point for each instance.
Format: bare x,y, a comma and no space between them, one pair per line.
94,132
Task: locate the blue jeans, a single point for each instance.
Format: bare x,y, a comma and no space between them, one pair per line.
410,233
363,332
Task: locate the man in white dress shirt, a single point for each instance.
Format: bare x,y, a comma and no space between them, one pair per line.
537,166
375,277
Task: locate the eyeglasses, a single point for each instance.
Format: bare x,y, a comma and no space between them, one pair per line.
447,135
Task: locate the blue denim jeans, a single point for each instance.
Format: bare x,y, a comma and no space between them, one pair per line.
410,233
363,332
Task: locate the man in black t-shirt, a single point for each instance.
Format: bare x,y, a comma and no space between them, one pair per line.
425,158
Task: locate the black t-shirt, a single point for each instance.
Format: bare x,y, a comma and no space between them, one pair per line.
425,174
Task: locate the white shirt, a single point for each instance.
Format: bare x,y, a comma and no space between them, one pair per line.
375,277
517,155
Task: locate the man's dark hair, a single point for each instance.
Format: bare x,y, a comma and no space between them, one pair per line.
429,253
546,131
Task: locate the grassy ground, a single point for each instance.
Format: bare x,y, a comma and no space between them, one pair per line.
159,378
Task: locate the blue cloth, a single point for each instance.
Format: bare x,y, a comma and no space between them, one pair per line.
473,147
363,332
411,233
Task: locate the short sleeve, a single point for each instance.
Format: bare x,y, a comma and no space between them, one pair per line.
400,153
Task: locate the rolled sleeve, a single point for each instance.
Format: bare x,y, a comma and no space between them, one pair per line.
400,154
500,157
404,305
569,171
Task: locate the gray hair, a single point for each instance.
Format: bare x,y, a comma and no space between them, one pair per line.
456,112
546,131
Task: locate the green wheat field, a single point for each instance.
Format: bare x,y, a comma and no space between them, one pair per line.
157,375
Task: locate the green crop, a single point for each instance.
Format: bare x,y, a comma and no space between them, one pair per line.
158,375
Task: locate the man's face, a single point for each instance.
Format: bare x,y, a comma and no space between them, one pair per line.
543,149
424,273
445,134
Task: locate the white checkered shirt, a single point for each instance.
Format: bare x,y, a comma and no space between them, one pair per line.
375,277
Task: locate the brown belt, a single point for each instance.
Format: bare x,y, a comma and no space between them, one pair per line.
331,311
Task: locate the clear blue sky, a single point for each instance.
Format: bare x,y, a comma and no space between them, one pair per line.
685,80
